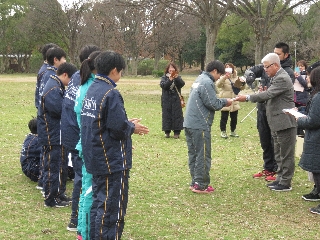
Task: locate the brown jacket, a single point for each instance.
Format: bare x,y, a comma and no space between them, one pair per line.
225,91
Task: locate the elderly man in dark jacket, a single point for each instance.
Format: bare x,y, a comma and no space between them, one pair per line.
283,127
266,141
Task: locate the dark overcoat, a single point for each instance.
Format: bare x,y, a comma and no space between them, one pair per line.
172,116
310,158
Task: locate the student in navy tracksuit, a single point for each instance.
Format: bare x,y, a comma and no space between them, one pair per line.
107,147
41,72
55,162
70,135
30,153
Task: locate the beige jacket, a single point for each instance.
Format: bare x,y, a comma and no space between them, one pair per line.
225,91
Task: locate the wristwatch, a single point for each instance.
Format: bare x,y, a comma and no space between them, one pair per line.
247,98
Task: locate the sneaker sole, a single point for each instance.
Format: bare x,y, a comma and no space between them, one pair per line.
202,191
72,229
281,190
314,212
310,200
39,188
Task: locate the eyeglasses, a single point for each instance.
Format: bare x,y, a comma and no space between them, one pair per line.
268,66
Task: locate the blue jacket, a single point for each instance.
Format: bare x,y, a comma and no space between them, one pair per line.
105,130
49,112
30,157
51,70
202,103
70,132
78,106
302,97
41,72
310,156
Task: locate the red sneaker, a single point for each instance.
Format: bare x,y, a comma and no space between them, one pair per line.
260,174
197,189
270,177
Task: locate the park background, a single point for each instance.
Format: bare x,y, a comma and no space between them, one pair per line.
161,206
149,34
189,32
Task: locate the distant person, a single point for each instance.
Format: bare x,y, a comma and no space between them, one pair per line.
172,116
49,117
301,89
270,165
201,107
87,75
283,127
226,83
309,160
107,146
41,72
70,135
30,153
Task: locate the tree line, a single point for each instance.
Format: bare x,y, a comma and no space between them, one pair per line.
188,32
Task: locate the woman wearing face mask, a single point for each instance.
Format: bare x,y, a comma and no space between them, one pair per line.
227,91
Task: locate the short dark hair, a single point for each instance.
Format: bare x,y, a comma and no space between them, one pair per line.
216,64
55,52
45,48
315,80
283,46
108,60
67,68
86,51
33,125
313,66
87,67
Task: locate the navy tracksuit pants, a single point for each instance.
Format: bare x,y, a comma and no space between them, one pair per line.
110,198
55,173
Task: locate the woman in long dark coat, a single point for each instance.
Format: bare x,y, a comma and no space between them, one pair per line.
310,158
172,116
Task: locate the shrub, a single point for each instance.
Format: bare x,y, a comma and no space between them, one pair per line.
157,73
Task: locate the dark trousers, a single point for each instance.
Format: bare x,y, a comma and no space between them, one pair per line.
266,142
110,198
316,179
77,183
224,120
199,152
55,173
284,152
40,180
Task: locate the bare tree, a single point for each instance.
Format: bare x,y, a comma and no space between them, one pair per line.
264,16
211,13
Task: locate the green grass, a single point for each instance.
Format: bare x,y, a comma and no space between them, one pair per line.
160,204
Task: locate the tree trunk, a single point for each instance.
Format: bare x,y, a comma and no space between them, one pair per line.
211,33
157,56
134,67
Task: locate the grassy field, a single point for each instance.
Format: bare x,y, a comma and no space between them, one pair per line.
160,204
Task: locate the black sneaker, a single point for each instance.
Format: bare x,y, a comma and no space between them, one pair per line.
270,185
281,188
315,210
313,197
72,227
39,186
58,204
65,198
